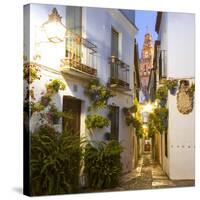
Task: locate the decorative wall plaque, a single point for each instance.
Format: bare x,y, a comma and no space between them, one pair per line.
184,100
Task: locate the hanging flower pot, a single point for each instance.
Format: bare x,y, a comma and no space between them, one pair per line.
107,136
173,90
172,85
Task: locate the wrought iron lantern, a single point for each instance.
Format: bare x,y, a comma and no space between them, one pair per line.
54,29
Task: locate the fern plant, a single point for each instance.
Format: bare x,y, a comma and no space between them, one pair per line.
55,162
102,164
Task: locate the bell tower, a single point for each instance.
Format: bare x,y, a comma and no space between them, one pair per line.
146,63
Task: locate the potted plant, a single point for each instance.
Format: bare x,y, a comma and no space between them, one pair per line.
133,109
107,136
161,94
45,100
53,114
172,85
98,94
96,121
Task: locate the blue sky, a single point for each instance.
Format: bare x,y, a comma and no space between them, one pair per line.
144,19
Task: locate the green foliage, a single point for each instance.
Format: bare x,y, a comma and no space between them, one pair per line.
52,88
31,73
55,159
134,120
137,124
128,116
98,94
130,119
55,85
96,121
191,90
152,125
53,114
35,106
102,164
171,84
162,93
133,109
161,119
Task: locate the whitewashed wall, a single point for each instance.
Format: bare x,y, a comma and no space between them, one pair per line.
181,45
97,25
177,33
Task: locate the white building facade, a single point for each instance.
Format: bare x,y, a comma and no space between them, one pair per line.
97,29
176,33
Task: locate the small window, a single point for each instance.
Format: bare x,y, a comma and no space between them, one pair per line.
114,43
115,122
163,64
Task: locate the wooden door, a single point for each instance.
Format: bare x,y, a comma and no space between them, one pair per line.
72,105
115,122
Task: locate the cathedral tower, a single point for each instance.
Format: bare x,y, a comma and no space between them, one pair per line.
146,63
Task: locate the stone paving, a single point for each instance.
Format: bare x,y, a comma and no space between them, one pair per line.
148,175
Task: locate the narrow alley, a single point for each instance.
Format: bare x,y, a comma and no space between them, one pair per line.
148,175
109,99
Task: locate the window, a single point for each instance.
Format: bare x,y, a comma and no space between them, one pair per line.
74,19
114,43
74,24
162,64
115,122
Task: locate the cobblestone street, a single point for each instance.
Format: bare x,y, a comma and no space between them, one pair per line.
148,175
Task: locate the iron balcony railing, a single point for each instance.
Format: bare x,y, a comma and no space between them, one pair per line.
80,55
119,73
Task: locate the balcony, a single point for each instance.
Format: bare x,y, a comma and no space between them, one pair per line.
119,74
80,59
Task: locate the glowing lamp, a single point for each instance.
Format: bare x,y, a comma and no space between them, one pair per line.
148,108
54,29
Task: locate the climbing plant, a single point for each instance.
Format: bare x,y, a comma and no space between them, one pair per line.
52,88
98,94
132,117
31,73
152,130
161,94
161,119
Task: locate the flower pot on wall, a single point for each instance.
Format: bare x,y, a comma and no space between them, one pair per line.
173,90
45,100
107,136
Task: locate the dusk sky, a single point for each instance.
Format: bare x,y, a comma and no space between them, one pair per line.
144,19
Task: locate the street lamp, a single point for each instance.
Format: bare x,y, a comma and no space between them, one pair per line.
148,108
53,27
